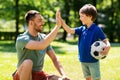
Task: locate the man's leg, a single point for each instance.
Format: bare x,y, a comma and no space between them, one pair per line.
25,70
88,78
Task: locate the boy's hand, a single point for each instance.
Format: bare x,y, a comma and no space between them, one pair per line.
106,50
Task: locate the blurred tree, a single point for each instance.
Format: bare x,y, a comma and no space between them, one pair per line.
17,17
16,9
108,13
6,9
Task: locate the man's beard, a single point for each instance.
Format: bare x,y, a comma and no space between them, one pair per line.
37,29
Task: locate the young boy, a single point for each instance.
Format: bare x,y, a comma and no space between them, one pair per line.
88,33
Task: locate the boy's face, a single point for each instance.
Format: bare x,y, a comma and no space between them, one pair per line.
85,19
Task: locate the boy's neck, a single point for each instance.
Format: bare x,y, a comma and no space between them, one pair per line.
89,24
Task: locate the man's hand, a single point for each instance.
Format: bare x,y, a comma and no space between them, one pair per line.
65,78
58,20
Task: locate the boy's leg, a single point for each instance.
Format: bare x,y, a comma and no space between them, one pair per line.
24,71
86,71
95,70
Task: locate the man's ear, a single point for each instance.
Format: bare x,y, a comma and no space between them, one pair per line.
31,22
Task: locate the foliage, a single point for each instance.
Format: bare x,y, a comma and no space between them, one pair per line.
7,9
108,14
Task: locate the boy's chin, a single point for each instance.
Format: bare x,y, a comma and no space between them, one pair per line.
84,24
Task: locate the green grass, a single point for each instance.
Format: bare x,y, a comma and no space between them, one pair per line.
67,54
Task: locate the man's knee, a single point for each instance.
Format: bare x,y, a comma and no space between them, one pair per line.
28,62
24,69
26,65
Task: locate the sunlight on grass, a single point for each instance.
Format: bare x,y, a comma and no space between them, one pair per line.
110,66
67,54
7,66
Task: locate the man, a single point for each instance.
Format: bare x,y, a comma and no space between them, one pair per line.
31,48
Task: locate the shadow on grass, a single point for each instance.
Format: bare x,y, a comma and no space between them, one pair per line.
115,44
61,49
7,46
58,50
68,42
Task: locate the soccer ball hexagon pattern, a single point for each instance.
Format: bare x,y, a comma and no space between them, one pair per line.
96,48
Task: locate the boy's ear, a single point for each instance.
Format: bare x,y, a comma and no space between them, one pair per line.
90,17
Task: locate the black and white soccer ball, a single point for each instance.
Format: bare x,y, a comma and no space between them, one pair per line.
96,48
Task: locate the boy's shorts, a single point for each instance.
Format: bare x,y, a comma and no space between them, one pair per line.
36,75
91,70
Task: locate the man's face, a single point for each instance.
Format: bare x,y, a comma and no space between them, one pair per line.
38,23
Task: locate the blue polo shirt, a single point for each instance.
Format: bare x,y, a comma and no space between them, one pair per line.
86,37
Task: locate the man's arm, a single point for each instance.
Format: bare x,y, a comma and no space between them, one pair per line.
40,45
57,64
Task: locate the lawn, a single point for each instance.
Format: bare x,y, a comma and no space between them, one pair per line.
67,54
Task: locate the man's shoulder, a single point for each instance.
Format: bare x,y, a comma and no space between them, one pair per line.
23,36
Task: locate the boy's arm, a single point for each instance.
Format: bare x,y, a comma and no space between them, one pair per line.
67,28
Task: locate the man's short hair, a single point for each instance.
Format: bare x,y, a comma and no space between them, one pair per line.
30,15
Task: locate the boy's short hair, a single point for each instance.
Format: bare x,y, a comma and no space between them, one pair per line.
30,15
89,10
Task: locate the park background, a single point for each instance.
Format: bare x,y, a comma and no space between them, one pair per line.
12,23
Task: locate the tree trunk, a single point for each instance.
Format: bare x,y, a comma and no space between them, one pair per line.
112,28
17,17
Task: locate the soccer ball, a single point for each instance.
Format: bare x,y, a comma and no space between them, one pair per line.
96,48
